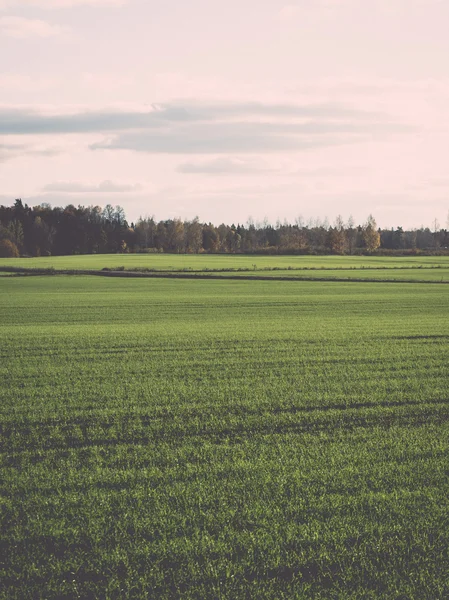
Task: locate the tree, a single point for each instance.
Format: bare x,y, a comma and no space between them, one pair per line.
8,249
40,237
351,234
337,240
411,239
161,236
175,235
15,229
371,236
119,216
145,232
436,231
193,235
319,233
399,239
249,236
85,230
108,213
211,239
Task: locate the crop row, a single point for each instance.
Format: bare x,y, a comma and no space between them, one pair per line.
214,439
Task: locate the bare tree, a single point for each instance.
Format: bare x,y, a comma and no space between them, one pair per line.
436,232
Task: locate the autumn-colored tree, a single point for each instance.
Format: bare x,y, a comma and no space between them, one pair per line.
371,236
337,240
43,230
8,249
175,234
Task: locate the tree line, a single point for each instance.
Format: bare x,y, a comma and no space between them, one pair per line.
43,231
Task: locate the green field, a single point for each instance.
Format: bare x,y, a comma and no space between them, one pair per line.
412,269
178,262
167,438
408,274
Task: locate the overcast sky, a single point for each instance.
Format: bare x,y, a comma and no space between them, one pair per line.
226,110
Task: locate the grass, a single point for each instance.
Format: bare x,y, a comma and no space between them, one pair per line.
403,273
223,439
409,269
201,262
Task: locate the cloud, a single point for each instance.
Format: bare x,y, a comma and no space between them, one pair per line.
196,128
28,121
245,137
224,166
55,4
82,188
23,122
21,28
10,151
214,141
200,111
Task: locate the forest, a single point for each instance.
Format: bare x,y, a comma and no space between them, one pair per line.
48,231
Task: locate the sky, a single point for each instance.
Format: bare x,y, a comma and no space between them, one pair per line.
268,109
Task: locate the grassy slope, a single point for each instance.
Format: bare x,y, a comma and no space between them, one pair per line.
223,439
